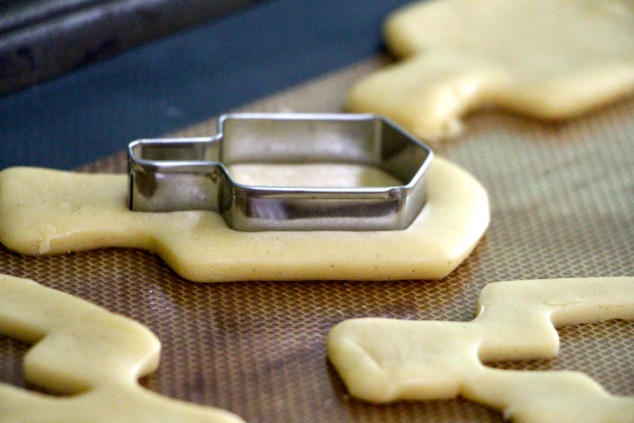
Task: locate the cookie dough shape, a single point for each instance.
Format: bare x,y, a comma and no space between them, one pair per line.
385,360
93,355
542,58
53,212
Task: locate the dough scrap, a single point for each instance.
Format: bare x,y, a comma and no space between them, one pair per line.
542,58
385,360
93,355
53,212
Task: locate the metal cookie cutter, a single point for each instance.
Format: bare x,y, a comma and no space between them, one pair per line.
191,173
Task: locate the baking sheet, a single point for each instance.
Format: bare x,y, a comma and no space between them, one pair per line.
41,39
562,205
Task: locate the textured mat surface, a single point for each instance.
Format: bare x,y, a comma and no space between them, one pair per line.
562,204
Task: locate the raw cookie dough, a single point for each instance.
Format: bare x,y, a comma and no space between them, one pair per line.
384,360
54,212
543,58
93,355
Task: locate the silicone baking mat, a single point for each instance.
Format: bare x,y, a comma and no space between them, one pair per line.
562,205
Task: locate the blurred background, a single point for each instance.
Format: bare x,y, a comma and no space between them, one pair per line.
79,79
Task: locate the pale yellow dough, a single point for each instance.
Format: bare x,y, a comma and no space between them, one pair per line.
53,212
384,360
543,58
94,356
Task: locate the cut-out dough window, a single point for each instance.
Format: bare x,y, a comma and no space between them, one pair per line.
384,360
81,348
542,58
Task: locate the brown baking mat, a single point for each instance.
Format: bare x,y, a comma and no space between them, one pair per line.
562,204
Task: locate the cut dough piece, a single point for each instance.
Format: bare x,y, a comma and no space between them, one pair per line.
54,212
384,360
82,349
543,58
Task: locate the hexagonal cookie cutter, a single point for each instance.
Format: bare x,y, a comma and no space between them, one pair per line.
191,173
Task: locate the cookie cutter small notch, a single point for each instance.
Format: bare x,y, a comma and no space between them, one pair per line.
191,173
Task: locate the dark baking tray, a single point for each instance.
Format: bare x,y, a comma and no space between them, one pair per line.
40,39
